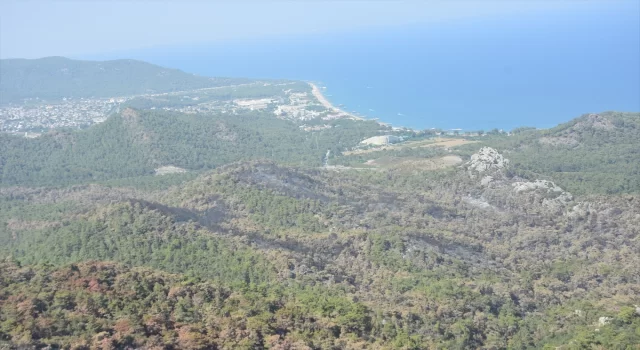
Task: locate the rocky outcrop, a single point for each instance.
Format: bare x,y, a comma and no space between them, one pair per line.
487,159
503,192
603,321
486,180
594,121
537,185
488,165
547,193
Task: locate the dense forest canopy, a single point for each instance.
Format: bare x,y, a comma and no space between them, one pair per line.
305,257
135,142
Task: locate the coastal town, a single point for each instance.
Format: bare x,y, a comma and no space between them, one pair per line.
301,103
36,116
33,118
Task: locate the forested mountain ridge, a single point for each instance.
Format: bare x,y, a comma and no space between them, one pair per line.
136,142
53,78
468,257
593,154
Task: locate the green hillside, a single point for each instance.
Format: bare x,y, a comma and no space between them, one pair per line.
595,153
271,256
53,78
135,142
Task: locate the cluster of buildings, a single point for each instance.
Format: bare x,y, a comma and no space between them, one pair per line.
35,117
300,106
205,107
294,106
68,113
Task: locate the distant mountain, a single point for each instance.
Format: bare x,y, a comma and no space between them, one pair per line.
53,78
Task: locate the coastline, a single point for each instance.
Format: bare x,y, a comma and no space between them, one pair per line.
327,104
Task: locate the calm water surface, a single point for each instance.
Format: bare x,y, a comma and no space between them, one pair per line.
534,70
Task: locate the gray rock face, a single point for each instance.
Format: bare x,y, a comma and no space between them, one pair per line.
595,121
552,196
488,166
486,180
538,185
487,159
603,321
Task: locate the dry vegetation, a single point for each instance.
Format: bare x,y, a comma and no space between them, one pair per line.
436,142
423,253
327,259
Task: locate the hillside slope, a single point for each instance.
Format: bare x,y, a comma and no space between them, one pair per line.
594,153
468,257
136,142
52,78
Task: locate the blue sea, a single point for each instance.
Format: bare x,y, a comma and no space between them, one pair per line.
537,69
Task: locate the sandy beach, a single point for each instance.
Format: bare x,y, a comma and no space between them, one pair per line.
323,100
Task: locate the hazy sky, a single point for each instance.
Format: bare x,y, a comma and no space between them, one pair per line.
33,29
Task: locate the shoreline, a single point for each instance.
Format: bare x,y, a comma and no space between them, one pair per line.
328,105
